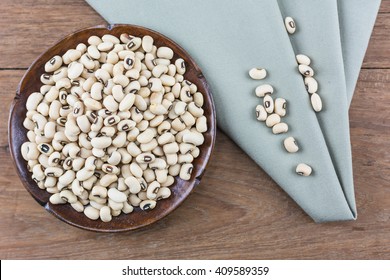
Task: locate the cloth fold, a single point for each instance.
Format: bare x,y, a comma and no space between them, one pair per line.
320,40
226,41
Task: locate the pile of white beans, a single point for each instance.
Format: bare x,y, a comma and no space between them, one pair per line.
271,112
112,125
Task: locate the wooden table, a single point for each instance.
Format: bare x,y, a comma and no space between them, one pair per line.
237,212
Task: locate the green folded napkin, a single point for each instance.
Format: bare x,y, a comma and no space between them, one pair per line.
226,41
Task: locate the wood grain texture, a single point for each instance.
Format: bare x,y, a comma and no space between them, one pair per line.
237,212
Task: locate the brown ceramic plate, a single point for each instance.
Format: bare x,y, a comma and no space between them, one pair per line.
17,134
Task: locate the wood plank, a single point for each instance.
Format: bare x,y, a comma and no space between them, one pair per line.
377,55
26,15
29,27
385,6
237,212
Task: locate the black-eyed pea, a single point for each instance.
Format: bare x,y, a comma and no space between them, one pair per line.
108,179
140,103
201,124
77,188
115,158
311,85
43,160
303,169
38,172
159,70
178,124
91,212
147,135
63,83
198,99
196,152
316,102
83,174
45,149
272,120
50,182
188,119
158,163
167,80
291,145
99,191
161,175
290,25
67,178
163,127
92,104
186,148
169,182
158,151
280,128
31,136
180,66
68,196
101,142
179,135
145,158
186,171
165,52
186,158
262,90
28,124
176,88
110,169
134,43
147,205
119,140
152,190
53,64
280,106
306,70
172,70
110,103
54,172
24,150
156,121
105,214
121,80
147,147
163,193
40,121
165,138
108,131
43,109
194,138
171,159
78,206
195,110
84,124
136,170
56,199
268,104
134,200
185,94
127,208
47,79
303,59
171,148
116,195
133,184
257,73
174,170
